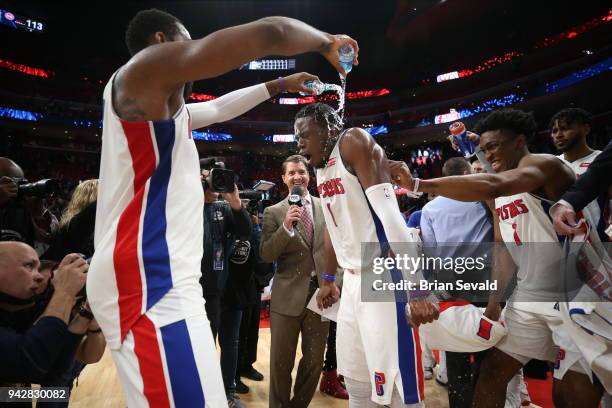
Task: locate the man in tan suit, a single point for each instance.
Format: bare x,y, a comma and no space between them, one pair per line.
293,237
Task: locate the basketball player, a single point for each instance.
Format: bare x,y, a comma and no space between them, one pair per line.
143,283
378,352
523,186
569,130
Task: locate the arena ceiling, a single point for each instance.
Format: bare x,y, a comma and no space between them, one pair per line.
401,41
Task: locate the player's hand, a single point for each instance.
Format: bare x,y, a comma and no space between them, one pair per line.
400,174
564,220
8,189
233,198
293,215
295,83
330,51
493,311
421,311
327,295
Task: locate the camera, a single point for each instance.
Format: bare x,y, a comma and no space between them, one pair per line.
219,179
256,204
40,188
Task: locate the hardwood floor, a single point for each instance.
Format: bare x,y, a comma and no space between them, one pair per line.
99,386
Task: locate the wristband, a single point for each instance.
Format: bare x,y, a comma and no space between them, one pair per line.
281,85
95,331
328,277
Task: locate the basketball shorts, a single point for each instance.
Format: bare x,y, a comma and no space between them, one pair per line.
375,343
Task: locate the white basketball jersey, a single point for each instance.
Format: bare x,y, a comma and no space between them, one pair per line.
149,220
593,211
527,230
348,216
581,165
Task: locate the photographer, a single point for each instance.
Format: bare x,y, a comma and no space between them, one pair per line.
22,215
50,344
248,277
225,221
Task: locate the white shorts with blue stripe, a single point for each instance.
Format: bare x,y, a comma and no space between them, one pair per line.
375,344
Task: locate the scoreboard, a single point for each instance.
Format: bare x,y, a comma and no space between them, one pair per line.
14,21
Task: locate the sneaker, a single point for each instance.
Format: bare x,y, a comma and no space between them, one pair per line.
251,374
330,385
442,379
233,401
241,388
428,373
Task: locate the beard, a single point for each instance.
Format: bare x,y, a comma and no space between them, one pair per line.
187,90
570,145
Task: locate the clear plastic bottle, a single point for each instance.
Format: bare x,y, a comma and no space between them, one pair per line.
317,86
346,54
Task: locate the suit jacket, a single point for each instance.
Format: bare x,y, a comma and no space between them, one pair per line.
295,257
595,181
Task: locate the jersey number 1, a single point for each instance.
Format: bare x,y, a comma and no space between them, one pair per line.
332,214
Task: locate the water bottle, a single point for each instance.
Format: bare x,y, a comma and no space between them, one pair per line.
317,86
459,133
346,54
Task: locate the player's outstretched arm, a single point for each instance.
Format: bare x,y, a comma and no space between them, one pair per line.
532,174
236,103
171,64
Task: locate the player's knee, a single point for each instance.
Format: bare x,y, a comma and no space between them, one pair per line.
358,389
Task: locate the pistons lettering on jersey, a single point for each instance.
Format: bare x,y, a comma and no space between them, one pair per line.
331,188
511,210
379,381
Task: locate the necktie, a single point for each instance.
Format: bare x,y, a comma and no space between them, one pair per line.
307,221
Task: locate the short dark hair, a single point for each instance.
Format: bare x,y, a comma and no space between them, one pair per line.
145,23
513,120
571,116
323,115
296,158
456,166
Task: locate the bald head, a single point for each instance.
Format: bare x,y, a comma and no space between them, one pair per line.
9,168
19,275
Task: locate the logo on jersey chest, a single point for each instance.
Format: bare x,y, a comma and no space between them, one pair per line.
511,210
331,162
331,188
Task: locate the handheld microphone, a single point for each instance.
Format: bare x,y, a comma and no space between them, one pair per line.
295,198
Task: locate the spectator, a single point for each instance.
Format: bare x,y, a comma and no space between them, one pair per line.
76,227
444,220
51,342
